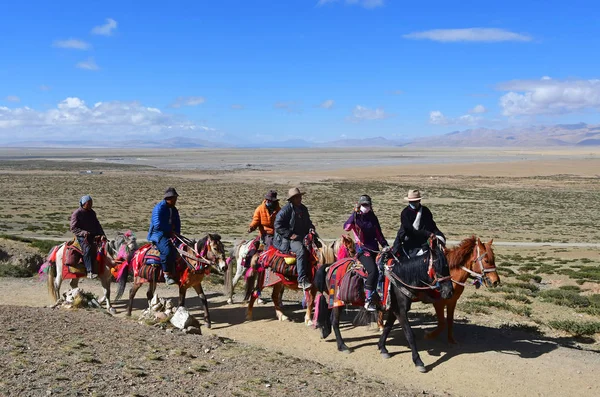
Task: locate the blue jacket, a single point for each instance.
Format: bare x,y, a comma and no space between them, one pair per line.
165,220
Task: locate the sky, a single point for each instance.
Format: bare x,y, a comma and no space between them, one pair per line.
270,70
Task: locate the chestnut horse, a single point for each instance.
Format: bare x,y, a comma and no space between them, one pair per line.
193,263
469,259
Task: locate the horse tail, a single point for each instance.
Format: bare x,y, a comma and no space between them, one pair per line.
321,279
229,274
122,277
365,317
52,282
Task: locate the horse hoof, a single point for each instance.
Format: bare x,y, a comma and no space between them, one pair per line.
308,323
229,301
345,349
207,325
112,311
283,317
421,369
385,355
101,300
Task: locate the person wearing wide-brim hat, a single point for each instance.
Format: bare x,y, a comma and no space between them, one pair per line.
165,224
292,224
416,226
264,218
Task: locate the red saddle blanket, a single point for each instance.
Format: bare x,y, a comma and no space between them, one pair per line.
276,261
73,266
345,280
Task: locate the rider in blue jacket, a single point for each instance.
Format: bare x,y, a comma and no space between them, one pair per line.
164,225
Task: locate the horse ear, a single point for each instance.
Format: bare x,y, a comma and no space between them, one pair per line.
490,242
478,240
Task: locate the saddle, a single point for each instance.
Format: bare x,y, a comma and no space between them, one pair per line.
279,262
345,280
147,259
73,261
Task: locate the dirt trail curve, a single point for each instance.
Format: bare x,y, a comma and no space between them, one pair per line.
488,361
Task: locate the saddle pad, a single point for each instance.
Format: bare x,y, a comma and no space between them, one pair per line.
72,256
351,288
278,265
151,272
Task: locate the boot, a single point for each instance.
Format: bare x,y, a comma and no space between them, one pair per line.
370,300
169,280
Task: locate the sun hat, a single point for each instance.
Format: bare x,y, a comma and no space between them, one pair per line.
294,192
413,195
170,192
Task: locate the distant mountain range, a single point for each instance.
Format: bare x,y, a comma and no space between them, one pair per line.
580,134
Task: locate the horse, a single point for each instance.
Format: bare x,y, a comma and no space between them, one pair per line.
469,259
57,270
409,281
262,275
194,262
328,253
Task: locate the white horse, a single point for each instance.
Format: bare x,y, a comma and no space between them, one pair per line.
55,273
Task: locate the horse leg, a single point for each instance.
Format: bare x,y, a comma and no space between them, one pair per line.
204,302
441,320
275,296
384,335
402,314
132,292
341,346
310,305
250,307
106,288
182,291
450,309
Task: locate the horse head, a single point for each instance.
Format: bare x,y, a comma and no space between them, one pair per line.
215,251
440,270
348,242
487,263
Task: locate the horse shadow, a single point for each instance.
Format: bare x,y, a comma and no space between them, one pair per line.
473,339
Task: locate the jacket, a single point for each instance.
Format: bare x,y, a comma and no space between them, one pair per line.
164,221
367,228
411,238
263,220
83,221
290,221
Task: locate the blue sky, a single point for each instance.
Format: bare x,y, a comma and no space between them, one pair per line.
309,69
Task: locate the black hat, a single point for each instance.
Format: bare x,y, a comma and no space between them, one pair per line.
171,192
364,199
272,195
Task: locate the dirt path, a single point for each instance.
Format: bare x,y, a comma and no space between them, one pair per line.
489,361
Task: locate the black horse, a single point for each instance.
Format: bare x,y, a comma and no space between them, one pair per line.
417,279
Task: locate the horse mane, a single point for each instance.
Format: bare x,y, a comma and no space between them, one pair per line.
458,255
414,270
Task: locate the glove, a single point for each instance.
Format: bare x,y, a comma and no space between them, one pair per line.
250,230
385,249
312,231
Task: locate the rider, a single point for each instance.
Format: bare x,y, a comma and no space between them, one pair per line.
292,224
416,226
264,218
86,227
364,224
165,225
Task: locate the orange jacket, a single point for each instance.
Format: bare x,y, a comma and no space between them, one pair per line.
263,220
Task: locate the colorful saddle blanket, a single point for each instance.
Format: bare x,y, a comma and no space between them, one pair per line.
284,264
345,280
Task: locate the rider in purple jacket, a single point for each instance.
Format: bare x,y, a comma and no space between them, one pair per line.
367,231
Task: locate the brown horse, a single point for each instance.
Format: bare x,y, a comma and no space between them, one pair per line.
194,262
469,259
263,276
340,248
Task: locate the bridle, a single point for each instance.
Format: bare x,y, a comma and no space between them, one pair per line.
200,256
480,277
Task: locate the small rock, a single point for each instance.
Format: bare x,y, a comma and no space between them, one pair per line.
169,330
268,385
193,330
183,319
154,300
206,351
168,305
160,316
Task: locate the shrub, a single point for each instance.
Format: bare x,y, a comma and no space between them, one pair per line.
528,277
564,298
8,270
575,328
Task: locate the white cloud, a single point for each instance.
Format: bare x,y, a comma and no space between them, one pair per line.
72,44
72,118
187,101
436,117
369,4
478,109
328,104
361,113
488,35
89,64
13,98
237,106
290,106
106,29
548,96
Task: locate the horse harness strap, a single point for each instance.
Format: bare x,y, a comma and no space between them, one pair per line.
479,276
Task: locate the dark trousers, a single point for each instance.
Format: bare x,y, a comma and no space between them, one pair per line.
368,261
301,258
89,250
167,254
267,240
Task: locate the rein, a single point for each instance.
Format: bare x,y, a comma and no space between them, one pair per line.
200,258
479,277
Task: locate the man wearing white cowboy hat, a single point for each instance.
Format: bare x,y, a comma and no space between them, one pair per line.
292,224
416,226
164,225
